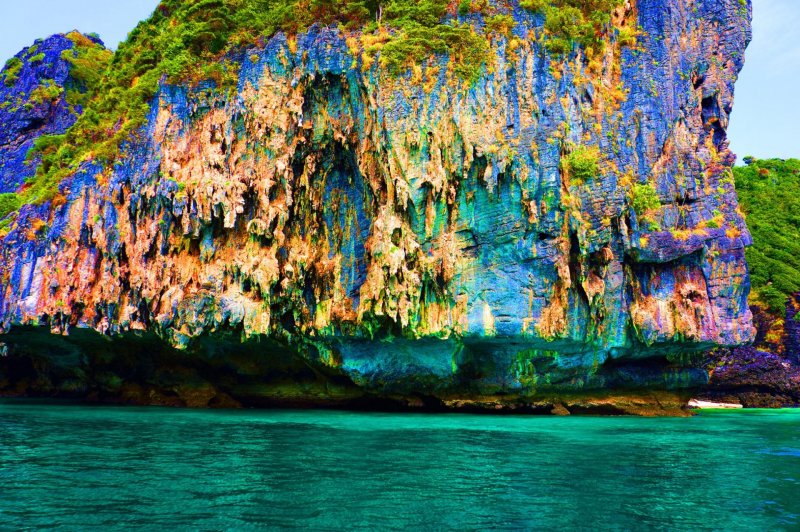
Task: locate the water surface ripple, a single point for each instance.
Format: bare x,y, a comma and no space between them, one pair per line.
80,467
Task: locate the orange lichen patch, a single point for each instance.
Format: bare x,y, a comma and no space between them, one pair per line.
37,226
685,234
684,313
733,232
58,200
594,286
431,78
514,47
553,322
529,206
776,334
446,258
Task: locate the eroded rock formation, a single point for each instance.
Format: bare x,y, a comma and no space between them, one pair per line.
418,236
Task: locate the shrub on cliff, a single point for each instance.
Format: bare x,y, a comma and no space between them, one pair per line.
11,71
88,61
47,91
582,163
645,202
8,204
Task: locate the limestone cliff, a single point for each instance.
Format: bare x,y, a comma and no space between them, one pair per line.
41,94
558,225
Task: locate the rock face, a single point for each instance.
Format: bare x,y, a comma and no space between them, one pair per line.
409,237
765,375
753,378
792,328
35,102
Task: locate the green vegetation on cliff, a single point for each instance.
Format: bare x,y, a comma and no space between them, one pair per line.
61,154
11,71
571,22
186,41
645,201
9,202
582,163
769,193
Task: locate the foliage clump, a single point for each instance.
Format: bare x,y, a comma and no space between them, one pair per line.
47,91
583,163
769,193
9,202
467,49
645,202
88,61
574,22
11,71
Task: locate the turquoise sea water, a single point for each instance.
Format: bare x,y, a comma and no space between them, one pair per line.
82,467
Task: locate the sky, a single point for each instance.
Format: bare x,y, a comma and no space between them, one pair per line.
23,21
766,112
766,115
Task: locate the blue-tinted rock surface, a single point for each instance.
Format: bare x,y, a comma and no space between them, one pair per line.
418,235
34,102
